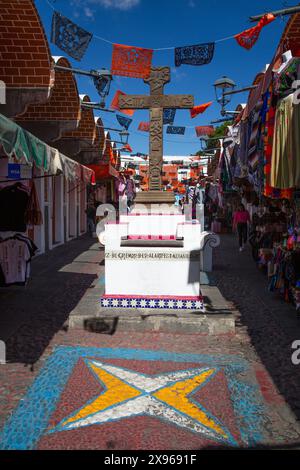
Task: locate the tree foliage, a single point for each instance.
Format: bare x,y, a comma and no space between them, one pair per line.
220,131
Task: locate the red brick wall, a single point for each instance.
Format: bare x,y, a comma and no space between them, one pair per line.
87,128
107,149
64,102
291,32
100,135
25,59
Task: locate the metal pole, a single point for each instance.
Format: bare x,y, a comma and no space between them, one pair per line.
79,71
96,106
110,128
285,11
248,88
27,179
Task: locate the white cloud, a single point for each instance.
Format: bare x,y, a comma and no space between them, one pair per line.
116,4
177,75
88,12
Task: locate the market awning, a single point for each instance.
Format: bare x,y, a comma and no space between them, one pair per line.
104,171
28,149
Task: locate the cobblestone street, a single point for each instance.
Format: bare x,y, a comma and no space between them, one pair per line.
52,387
270,324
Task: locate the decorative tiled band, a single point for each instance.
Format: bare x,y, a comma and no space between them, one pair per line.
152,237
145,302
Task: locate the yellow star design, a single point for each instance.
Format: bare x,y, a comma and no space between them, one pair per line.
167,396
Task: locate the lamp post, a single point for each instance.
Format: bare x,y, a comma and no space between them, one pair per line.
222,86
204,142
102,80
124,136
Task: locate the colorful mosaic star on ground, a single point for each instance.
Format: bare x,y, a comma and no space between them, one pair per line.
86,397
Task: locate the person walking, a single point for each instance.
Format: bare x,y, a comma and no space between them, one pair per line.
91,217
130,191
241,218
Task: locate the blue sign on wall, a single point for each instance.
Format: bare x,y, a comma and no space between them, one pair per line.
14,171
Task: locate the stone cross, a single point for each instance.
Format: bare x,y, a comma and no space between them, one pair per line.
156,102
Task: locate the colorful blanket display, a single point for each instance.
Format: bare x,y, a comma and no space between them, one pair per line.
259,161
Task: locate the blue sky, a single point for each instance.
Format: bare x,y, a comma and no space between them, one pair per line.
171,23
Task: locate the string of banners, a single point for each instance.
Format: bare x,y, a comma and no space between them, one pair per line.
135,62
180,130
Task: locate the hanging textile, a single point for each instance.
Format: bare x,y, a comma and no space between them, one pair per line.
169,116
27,148
204,130
199,54
248,38
127,148
253,152
130,61
33,214
100,82
199,109
175,130
13,204
69,37
285,163
115,104
123,121
15,256
268,132
144,126
284,81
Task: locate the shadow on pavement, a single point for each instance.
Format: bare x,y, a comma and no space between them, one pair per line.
272,325
32,315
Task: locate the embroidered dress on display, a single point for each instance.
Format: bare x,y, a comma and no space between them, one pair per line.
14,256
131,61
69,37
199,54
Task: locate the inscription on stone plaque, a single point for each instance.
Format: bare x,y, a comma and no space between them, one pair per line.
123,255
156,103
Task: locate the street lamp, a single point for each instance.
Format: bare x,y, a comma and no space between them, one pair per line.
102,80
222,87
124,136
204,142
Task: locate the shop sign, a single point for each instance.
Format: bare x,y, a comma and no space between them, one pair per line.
14,171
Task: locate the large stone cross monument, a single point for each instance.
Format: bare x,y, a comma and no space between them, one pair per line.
156,102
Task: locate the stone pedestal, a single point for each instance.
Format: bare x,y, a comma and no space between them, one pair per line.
155,197
153,261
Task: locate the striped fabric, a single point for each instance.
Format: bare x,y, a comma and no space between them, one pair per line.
253,152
